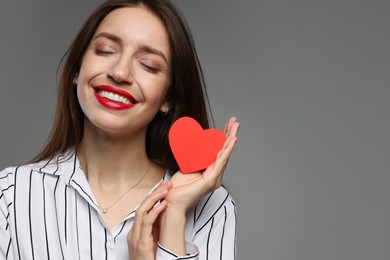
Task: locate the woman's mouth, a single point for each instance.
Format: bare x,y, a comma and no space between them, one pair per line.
114,98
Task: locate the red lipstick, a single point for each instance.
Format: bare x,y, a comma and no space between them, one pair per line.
114,98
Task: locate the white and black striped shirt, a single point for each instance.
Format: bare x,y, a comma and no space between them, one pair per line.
47,211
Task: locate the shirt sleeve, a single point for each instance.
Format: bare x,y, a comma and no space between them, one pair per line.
215,225
5,237
164,254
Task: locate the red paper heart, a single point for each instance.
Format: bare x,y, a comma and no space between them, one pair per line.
194,148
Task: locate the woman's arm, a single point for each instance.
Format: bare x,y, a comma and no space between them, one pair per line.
187,189
177,196
211,229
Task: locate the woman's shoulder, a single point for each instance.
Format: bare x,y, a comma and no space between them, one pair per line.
7,175
21,178
54,165
7,183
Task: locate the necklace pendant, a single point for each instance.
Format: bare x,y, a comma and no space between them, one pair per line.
104,211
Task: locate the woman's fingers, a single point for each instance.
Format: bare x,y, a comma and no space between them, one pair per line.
146,215
149,221
227,149
233,127
149,202
215,172
229,125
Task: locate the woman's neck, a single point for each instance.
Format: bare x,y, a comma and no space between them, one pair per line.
113,163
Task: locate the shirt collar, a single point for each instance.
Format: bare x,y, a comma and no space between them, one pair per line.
65,165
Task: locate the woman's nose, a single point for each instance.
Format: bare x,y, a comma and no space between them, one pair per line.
121,72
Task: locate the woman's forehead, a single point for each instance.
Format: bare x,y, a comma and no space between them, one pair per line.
136,24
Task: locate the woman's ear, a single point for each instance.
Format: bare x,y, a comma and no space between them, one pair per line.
165,107
75,80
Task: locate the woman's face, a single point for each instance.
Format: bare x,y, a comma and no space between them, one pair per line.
125,72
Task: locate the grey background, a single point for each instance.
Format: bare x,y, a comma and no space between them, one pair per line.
309,82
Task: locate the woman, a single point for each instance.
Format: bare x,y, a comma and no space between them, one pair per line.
106,185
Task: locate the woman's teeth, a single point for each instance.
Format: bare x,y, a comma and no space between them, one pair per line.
114,97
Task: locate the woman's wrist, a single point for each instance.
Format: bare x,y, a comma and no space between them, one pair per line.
172,225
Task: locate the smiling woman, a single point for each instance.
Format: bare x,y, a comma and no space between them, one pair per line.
106,185
113,56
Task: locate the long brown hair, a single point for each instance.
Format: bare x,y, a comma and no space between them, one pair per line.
186,94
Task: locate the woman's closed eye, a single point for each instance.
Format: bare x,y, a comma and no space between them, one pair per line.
150,68
151,65
104,51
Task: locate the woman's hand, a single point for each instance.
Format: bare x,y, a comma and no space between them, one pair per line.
189,188
143,236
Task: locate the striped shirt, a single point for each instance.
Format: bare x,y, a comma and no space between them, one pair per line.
48,211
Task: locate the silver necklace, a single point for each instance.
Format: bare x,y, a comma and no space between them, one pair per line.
104,210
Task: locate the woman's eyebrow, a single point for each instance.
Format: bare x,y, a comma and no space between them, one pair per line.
109,36
151,50
141,47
